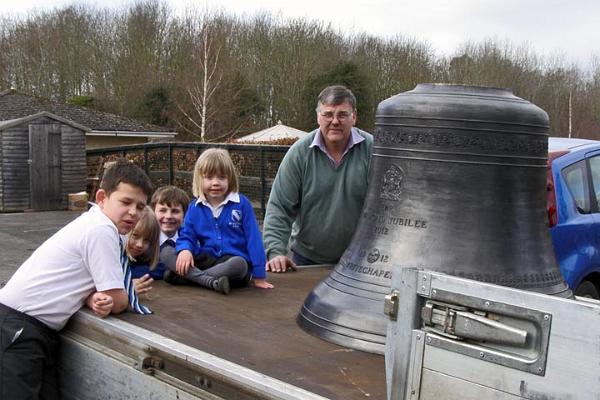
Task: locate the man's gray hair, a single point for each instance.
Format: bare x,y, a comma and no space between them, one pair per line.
336,95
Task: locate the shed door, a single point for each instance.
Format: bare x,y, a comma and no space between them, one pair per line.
45,166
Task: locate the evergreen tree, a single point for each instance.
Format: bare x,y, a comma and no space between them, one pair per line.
153,108
348,74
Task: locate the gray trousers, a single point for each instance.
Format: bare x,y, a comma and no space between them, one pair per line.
208,268
168,257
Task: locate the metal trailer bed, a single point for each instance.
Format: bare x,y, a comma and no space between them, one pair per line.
203,344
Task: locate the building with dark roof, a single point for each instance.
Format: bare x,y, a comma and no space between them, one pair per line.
43,144
104,129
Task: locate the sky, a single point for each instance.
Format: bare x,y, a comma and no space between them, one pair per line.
567,30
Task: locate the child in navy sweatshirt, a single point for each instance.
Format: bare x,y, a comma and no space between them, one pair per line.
220,244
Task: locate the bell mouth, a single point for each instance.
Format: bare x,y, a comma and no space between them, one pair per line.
330,314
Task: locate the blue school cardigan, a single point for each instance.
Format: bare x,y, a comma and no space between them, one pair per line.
235,232
139,270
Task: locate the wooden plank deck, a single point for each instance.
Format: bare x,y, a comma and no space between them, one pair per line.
257,329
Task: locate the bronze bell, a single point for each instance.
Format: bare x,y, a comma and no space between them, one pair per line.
457,185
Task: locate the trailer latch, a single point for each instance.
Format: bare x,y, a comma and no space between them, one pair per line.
390,305
149,364
459,322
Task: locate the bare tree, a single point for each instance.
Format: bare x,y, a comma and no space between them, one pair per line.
202,92
220,75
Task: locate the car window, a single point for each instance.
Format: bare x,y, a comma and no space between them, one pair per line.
595,170
575,178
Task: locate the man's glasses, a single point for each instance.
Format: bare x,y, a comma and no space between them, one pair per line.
329,116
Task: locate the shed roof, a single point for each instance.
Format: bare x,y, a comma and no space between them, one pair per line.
276,132
16,106
18,121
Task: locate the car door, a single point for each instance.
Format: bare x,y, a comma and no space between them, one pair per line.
593,161
575,238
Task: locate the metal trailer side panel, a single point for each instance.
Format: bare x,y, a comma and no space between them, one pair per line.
566,366
435,385
107,358
88,373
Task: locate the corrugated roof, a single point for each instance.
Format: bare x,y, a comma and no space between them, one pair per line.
276,132
15,105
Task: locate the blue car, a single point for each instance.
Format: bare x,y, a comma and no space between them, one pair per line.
573,189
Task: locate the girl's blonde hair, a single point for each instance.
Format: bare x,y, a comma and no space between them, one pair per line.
214,162
148,228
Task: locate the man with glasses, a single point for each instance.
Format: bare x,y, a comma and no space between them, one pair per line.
320,187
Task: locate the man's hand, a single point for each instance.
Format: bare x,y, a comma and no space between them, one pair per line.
100,303
280,264
185,260
143,284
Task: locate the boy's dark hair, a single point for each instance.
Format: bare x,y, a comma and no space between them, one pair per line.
123,171
171,196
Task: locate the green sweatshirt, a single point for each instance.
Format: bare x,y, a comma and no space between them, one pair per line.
321,201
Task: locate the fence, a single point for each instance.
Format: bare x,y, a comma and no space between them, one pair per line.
173,164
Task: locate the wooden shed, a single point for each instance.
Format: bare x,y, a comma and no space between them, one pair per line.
42,161
102,129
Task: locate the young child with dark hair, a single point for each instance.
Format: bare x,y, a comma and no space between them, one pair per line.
80,264
219,244
169,204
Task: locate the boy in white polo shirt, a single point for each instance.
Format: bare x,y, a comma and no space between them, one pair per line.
78,265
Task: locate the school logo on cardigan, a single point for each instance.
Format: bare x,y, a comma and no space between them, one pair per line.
236,218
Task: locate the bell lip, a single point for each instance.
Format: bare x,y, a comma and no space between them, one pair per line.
558,290
328,334
319,317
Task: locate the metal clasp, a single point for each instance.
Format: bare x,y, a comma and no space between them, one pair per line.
459,322
390,305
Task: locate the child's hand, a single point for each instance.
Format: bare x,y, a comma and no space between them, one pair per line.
100,303
185,260
143,284
262,284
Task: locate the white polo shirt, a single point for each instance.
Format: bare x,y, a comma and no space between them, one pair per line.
216,211
163,237
54,282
